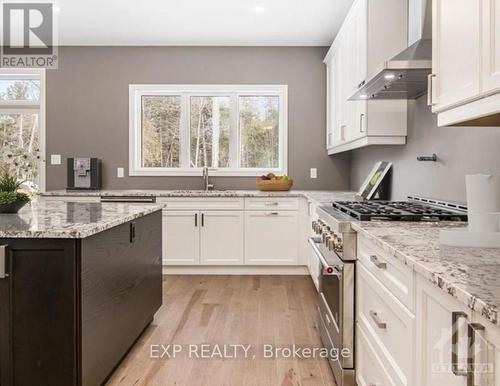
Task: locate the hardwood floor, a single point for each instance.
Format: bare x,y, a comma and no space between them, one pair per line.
228,310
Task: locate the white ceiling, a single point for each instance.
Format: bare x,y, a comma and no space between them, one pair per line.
200,22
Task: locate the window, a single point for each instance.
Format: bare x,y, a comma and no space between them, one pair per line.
236,130
22,136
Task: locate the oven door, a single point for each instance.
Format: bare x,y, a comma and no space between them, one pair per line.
336,301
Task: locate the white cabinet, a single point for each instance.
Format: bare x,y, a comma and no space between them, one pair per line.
435,330
464,88
456,51
271,238
221,237
486,349
373,31
491,45
181,237
202,237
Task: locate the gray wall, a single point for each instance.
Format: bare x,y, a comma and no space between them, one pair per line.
461,151
87,106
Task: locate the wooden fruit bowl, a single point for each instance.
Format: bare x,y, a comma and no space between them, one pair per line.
274,185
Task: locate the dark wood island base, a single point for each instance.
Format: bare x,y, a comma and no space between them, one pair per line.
71,309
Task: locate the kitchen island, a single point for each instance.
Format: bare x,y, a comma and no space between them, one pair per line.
79,283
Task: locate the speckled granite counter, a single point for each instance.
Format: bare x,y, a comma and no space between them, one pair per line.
320,196
469,274
69,219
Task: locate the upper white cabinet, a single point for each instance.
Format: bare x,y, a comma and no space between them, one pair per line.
491,48
456,52
464,87
374,31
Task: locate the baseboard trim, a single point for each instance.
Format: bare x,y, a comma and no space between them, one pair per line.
235,270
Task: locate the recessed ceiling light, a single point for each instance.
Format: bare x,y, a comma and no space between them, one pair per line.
389,76
259,9
364,96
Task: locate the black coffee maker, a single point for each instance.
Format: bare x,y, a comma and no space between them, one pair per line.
84,174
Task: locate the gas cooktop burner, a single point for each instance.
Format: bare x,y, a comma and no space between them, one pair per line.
398,211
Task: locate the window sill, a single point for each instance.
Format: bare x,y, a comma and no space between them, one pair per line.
198,172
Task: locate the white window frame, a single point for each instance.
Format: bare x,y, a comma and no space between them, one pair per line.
27,107
137,91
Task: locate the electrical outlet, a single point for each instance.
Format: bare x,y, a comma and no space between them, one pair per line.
314,173
120,172
55,159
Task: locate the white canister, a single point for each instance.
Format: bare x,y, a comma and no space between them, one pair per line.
484,222
483,193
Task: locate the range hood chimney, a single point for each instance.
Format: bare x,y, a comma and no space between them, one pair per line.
405,75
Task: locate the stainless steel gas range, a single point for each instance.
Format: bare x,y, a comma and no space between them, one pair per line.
334,242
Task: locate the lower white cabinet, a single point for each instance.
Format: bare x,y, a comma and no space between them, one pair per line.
206,237
271,238
221,237
437,312
181,237
370,370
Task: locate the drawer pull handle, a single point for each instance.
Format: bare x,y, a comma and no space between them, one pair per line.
378,322
455,317
272,214
377,263
272,203
472,329
3,262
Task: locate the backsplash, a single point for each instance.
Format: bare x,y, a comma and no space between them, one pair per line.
460,151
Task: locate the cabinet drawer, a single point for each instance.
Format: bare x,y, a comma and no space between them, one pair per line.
389,325
396,277
202,203
270,203
369,368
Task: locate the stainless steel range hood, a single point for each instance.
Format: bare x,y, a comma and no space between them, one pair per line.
405,75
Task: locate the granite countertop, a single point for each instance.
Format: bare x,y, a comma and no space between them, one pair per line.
468,274
74,220
320,196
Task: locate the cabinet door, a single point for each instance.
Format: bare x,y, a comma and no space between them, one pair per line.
435,331
456,52
491,45
334,100
271,237
486,348
181,237
221,237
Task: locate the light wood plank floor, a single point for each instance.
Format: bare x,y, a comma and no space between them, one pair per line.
257,310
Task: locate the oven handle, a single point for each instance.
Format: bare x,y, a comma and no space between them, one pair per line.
329,269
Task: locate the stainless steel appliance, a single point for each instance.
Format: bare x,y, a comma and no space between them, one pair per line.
406,75
334,242
335,245
84,174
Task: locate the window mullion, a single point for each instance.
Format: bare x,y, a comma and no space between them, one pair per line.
184,131
234,160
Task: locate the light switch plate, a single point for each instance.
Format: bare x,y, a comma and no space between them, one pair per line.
120,172
314,173
55,159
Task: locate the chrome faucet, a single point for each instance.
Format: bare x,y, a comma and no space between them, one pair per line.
208,185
